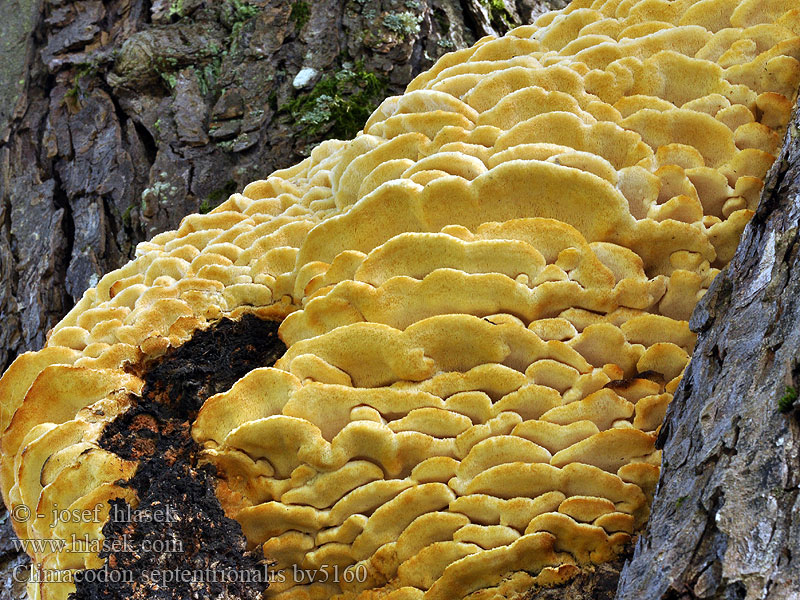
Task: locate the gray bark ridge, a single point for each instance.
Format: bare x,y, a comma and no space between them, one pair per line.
725,522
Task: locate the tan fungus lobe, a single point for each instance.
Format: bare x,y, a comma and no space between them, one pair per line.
484,297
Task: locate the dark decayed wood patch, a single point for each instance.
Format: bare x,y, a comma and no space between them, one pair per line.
202,552
593,582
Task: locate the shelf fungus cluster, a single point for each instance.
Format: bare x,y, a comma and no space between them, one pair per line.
484,298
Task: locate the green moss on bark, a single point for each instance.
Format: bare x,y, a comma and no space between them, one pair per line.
338,104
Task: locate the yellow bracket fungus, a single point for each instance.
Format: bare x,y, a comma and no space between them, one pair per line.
484,297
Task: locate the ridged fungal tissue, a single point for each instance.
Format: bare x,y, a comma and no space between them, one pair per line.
484,299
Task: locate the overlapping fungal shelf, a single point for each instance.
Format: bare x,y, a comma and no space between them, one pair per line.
484,297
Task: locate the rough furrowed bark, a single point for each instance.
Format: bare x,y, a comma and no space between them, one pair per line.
12,561
725,523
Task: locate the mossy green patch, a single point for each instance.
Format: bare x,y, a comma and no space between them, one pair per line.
219,195
272,100
238,13
82,70
126,216
176,8
165,67
301,13
338,104
209,74
498,14
170,80
442,21
242,11
787,401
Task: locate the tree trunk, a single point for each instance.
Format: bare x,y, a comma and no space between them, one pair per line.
117,118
